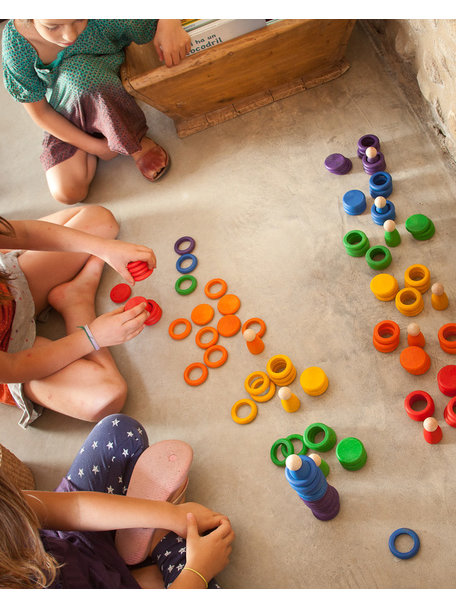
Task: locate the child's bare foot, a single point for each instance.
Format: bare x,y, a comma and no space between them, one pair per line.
152,160
79,293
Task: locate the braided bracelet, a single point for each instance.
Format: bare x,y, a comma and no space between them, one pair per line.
89,334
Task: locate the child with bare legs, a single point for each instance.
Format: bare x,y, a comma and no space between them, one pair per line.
62,266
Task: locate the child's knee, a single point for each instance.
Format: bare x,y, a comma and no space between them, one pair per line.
111,400
69,194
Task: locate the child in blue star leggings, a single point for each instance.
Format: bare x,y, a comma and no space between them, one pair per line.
89,559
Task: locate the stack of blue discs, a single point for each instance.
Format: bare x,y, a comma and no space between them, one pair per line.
338,164
354,202
310,484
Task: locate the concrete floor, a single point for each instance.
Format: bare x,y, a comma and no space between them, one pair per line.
267,217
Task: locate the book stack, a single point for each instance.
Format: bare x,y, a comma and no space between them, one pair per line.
206,33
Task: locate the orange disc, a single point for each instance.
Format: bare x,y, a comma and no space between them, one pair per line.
190,368
182,334
415,360
202,314
212,349
206,330
229,325
228,304
213,295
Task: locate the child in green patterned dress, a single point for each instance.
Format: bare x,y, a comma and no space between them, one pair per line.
66,73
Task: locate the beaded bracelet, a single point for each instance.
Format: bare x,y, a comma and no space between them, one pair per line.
89,334
198,573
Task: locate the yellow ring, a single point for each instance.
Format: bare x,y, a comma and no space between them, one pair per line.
287,380
284,372
259,389
246,419
418,276
266,396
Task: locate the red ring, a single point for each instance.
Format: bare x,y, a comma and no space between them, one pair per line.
204,330
183,334
260,322
217,294
412,398
190,368
449,414
220,361
155,313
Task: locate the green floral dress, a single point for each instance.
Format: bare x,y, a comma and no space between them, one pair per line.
82,83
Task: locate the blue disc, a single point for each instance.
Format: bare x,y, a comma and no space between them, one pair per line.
406,555
181,260
354,202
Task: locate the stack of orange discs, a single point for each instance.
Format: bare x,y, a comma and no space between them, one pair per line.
386,336
415,360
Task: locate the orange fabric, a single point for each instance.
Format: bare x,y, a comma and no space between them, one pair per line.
7,309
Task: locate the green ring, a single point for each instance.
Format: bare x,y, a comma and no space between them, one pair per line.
379,264
359,248
327,442
298,437
282,442
180,280
324,467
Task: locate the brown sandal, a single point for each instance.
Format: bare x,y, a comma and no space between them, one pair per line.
154,164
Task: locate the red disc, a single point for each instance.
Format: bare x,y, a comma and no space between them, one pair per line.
120,293
132,302
446,379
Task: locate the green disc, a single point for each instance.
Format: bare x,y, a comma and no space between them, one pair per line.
351,454
417,224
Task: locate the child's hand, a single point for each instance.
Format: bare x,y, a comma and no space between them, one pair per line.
206,519
119,253
208,554
171,41
119,326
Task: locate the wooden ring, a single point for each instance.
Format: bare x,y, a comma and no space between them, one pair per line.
183,334
213,349
205,330
260,322
217,294
246,419
201,379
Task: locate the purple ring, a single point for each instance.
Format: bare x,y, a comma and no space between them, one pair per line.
179,242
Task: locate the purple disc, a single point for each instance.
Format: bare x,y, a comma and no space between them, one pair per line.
184,239
338,164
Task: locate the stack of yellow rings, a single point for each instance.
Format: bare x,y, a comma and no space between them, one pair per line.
384,287
417,276
409,301
314,381
281,370
259,386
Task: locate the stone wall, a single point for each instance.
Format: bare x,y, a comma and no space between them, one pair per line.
426,49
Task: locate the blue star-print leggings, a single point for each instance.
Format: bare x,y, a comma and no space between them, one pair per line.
105,463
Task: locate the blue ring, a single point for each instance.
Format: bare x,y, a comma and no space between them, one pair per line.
186,256
413,551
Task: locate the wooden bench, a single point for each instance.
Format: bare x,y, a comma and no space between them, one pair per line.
239,75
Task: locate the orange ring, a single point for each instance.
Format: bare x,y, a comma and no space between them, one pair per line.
229,325
203,331
229,304
183,334
218,294
220,361
190,368
260,322
445,332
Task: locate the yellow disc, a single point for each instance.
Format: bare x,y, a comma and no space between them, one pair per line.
384,287
314,381
253,411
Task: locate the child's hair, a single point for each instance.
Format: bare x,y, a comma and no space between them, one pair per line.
24,564
5,230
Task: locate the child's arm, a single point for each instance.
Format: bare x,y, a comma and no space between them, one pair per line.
171,41
47,358
39,235
48,119
92,511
